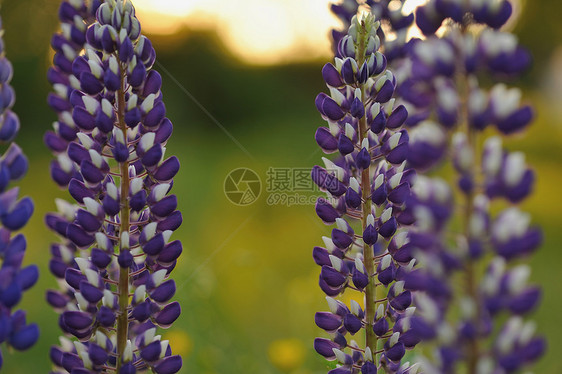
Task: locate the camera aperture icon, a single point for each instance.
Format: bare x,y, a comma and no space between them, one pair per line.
242,186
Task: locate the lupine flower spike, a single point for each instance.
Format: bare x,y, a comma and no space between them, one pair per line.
479,327
366,188
394,20
14,214
75,17
116,255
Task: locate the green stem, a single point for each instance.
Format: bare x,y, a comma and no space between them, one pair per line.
368,254
471,136
471,284
471,289
470,266
123,288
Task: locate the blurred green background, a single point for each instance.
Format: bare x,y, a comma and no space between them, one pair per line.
246,281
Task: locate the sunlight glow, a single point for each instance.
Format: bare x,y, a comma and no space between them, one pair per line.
410,5
260,32
171,7
169,16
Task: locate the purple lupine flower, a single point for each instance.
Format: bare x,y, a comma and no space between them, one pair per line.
394,20
75,17
116,255
395,45
14,215
478,327
366,188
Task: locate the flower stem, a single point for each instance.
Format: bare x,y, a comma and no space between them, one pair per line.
471,136
123,318
471,285
474,349
368,254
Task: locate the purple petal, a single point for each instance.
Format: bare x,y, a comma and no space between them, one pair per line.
165,206
352,323
326,140
77,320
136,78
19,216
321,256
169,365
87,221
332,277
332,110
341,239
151,352
385,93
83,118
106,317
396,352
380,327
79,191
164,292
170,253
28,276
90,292
78,236
164,131
325,348
90,84
327,321
90,172
97,354
331,75
397,117
168,315
516,121
100,258
368,368
71,361
9,127
155,116
173,221
153,83
25,337
326,211
56,299
54,142
167,170
125,259
152,156
359,279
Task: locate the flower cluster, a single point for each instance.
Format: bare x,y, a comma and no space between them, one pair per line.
433,89
367,186
116,256
394,21
393,33
75,17
479,327
14,214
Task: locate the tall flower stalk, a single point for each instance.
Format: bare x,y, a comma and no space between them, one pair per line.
478,327
366,188
14,215
116,256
